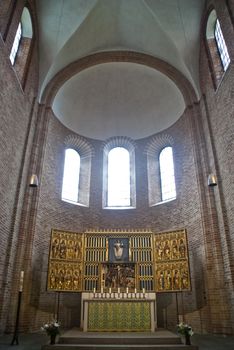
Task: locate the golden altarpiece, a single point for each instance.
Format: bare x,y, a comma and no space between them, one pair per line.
118,273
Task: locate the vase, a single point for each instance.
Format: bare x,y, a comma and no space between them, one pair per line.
52,339
187,339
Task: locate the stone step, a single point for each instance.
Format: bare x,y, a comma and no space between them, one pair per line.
118,340
119,347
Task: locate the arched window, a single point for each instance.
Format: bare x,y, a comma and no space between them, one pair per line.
118,178
15,46
166,165
22,45
222,48
71,175
218,50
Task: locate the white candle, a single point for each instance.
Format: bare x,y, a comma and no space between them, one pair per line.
127,290
143,290
94,290
135,290
21,281
110,290
118,290
101,289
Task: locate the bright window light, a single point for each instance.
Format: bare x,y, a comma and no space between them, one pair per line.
15,46
71,176
118,178
168,189
223,51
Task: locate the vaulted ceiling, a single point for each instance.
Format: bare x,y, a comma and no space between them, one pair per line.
119,98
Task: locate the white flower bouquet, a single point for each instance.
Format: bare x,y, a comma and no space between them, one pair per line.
51,328
184,329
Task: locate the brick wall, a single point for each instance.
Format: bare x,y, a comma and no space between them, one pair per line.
217,119
18,111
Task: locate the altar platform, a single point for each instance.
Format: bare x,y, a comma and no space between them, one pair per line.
76,339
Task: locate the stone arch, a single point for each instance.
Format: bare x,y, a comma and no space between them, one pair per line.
73,68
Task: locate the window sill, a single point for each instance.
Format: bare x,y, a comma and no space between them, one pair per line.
163,202
118,208
75,203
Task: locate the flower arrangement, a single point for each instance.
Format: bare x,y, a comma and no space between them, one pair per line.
186,330
51,328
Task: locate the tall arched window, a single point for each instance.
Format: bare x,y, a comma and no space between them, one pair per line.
166,164
222,47
22,45
15,46
118,178
71,175
218,50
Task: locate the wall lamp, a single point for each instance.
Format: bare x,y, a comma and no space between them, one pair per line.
33,181
212,180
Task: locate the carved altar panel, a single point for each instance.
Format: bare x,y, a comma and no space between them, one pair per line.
116,276
118,246
65,268
171,261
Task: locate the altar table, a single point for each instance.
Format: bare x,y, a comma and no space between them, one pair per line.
119,314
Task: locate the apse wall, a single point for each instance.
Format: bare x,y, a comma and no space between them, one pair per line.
184,212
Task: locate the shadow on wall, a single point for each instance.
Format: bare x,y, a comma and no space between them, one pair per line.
164,306
66,305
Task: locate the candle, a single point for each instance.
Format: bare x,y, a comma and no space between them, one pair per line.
21,281
110,290
135,290
101,289
118,290
143,290
127,290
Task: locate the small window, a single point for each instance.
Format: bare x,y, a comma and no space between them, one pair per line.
118,189
223,52
218,51
166,164
70,189
15,46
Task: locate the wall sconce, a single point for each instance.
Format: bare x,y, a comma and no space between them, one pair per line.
212,180
33,181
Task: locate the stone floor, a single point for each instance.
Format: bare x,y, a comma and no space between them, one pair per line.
34,342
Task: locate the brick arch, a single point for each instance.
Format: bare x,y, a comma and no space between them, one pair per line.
119,141
73,68
80,144
157,143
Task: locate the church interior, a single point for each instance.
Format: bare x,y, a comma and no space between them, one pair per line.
116,151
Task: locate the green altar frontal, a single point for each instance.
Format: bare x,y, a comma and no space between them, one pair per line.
120,316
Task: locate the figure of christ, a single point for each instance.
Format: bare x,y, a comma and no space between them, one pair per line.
118,249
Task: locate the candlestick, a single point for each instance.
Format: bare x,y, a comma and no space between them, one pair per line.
21,281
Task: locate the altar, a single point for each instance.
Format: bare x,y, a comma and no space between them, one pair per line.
118,312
